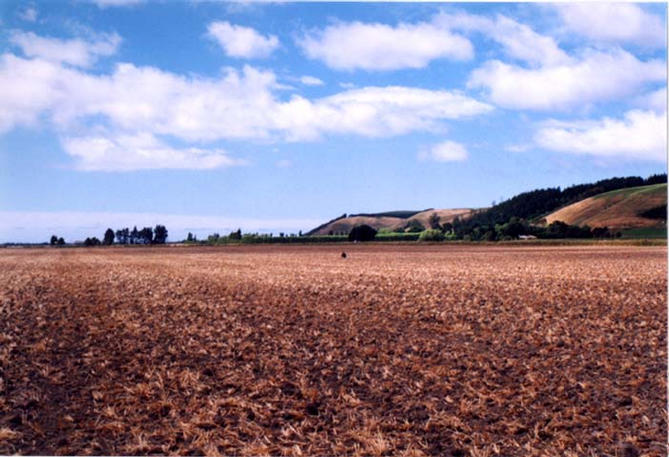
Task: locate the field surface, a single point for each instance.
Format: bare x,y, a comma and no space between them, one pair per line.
294,350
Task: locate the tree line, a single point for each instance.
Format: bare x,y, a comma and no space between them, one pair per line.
146,235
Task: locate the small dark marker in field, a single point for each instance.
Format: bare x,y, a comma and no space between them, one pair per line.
343,255
312,409
630,451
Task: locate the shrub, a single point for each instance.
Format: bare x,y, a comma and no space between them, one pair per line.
362,233
414,226
92,242
431,235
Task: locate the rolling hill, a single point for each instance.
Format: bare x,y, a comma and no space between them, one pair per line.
633,207
394,220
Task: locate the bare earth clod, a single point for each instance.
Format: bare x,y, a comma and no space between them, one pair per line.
294,350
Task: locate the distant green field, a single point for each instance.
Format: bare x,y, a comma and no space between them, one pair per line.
645,232
396,236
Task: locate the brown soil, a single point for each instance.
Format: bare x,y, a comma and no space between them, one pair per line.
294,350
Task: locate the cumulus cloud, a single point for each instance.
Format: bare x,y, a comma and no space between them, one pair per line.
613,22
135,106
374,46
639,135
595,76
240,41
655,100
446,151
311,81
29,14
518,147
375,112
75,52
237,105
518,40
139,151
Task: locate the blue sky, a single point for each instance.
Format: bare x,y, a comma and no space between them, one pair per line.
209,116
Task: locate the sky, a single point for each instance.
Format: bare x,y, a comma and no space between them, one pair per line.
275,117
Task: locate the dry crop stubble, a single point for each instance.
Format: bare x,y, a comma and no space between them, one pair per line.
293,350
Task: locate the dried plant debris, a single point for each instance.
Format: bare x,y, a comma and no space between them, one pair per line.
277,350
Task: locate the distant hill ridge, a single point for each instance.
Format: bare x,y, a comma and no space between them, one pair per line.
402,214
536,206
389,220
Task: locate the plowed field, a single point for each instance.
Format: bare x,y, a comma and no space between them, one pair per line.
394,350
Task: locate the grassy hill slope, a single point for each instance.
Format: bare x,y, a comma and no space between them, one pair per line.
633,207
344,225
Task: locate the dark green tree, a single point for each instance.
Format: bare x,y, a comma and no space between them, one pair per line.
160,234
146,235
601,232
513,228
362,233
414,226
122,235
236,235
92,242
134,235
54,240
434,221
108,239
61,241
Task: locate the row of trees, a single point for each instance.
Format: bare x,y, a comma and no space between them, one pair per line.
147,235
56,241
516,227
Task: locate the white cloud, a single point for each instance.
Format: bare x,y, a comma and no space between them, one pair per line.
446,151
27,89
140,151
595,76
655,100
311,81
373,46
518,147
613,22
518,40
240,41
284,163
74,52
375,112
114,121
237,105
29,14
639,135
